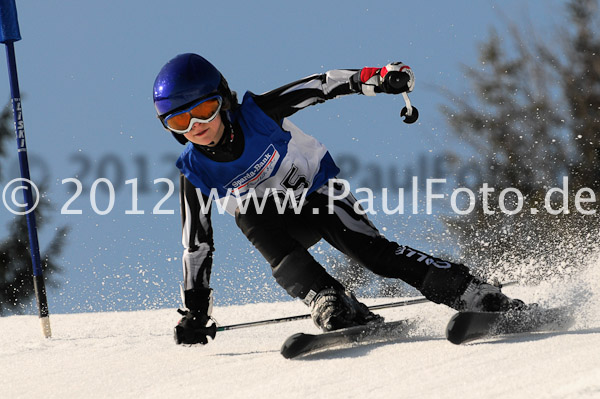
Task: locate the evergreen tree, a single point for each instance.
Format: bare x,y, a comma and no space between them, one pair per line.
16,274
533,118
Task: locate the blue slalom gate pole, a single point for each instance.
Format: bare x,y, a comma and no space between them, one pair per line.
9,33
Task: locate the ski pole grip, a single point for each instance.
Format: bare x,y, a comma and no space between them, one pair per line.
396,80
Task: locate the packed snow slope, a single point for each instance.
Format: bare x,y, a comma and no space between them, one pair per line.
132,355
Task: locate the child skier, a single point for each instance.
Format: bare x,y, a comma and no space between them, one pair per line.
251,149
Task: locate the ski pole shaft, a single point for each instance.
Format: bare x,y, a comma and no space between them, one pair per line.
416,300
404,302
411,301
262,322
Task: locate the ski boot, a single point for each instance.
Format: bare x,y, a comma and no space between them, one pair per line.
483,297
333,309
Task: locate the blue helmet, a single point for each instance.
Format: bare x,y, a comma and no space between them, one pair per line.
186,78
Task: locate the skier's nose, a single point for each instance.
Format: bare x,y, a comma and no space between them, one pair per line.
197,125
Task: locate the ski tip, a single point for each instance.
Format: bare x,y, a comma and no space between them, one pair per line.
455,334
460,327
468,326
295,345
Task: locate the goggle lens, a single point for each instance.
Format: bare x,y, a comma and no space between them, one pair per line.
204,112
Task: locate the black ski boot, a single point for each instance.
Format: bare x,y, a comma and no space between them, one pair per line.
332,309
483,297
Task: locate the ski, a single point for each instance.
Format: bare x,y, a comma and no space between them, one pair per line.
304,344
470,326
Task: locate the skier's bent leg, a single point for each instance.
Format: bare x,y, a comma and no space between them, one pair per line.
291,264
441,281
332,307
438,280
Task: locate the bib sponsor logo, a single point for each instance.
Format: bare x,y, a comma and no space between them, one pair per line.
260,170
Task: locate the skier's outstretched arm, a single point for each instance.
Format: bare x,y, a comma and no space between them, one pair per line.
286,100
197,240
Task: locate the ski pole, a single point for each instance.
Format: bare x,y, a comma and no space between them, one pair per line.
398,80
411,301
9,33
405,302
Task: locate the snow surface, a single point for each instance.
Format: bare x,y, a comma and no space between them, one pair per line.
132,355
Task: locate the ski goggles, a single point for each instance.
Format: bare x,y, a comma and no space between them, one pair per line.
203,111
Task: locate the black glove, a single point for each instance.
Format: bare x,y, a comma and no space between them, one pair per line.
394,78
194,327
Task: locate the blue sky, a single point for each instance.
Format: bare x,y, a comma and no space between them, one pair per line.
86,71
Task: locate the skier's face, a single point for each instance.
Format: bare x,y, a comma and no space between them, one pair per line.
207,134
